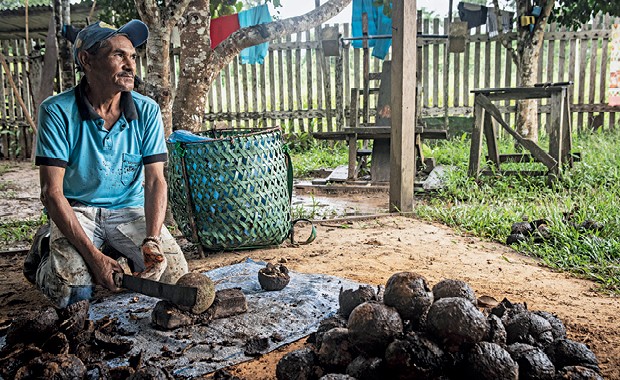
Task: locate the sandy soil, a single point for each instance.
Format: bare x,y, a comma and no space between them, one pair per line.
370,251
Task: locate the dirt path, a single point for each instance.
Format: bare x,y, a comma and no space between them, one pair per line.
371,251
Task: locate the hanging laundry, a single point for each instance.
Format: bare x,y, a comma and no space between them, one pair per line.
255,16
506,20
222,27
384,27
360,7
378,24
474,14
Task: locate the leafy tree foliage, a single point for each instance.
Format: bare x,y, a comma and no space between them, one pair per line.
118,12
573,13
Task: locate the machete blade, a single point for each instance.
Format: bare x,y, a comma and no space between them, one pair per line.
177,294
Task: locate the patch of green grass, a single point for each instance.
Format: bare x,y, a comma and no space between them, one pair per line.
19,231
488,207
313,155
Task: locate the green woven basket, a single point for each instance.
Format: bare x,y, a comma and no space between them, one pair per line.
231,192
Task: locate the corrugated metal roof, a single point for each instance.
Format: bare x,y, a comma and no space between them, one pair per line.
13,20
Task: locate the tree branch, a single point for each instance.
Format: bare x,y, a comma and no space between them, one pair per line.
175,10
254,35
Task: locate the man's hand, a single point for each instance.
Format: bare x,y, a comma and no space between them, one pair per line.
103,271
154,260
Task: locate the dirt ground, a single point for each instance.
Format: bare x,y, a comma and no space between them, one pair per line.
370,251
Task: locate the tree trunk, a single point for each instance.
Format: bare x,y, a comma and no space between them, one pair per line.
527,110
196,74
157,82
200,65
529,45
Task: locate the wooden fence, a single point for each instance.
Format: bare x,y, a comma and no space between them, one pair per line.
301,90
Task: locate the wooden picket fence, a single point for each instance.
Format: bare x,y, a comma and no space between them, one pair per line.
301,90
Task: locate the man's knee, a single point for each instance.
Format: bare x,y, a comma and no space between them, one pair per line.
177,264
63,275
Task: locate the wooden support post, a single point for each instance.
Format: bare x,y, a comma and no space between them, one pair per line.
403,157
352,173
567,144
555,137
491,136
476,140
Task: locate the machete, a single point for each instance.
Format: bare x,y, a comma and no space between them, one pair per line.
177,294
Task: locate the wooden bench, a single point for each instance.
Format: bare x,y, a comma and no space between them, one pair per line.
379,132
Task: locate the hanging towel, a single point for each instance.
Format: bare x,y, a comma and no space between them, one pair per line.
384,26
506,20
360,7
474,14
255,16
222,27
378,23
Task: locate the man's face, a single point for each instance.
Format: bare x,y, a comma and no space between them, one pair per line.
113,66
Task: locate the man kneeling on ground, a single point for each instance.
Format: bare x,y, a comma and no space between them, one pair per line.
101,153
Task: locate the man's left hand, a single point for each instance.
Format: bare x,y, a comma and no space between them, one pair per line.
154,260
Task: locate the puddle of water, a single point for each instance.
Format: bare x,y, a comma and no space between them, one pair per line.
323,207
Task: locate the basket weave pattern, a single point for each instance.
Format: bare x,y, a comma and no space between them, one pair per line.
231,192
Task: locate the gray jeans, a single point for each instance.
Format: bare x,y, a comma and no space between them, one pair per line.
63,275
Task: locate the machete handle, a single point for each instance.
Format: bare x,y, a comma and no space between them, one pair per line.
118,279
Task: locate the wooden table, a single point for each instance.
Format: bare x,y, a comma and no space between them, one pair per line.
380,168
559,154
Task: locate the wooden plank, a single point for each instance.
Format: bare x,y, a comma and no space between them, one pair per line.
478,61
491,137
309,81
403,155
555,135
466,64
272,86
572,57
339,95
246,88
235,88
318,56
290,95
604,58
551,57
435,66
227,89
426,66
298,93
456,59
508,82
255,106
347,71
218,93
10,152
476,140
593,62
263,93
319,73
487,63
583,62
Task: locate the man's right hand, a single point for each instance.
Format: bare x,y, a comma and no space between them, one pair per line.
103,271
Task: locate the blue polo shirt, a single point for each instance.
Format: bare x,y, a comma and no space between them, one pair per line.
102,168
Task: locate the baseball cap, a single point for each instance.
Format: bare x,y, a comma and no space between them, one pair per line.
136,31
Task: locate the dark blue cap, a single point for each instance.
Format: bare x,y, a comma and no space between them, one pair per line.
136,31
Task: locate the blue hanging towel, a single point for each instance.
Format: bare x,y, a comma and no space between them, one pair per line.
384,26
254,16
360,7
378,23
